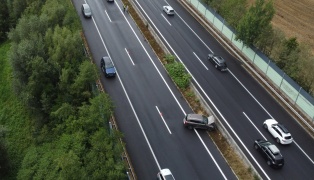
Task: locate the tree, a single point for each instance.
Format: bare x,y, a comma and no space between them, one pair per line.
4,20
232,11
254,22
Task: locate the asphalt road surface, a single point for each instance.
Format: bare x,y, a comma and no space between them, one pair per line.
149,109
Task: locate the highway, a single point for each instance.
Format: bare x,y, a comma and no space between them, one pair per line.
240,102
149,109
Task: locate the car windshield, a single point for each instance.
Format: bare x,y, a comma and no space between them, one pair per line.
205,120
169,177
109,65
87,9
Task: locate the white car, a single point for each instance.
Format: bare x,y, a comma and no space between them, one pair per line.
278,131
86,10
168,10
165,174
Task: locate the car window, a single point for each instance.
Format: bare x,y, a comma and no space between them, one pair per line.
169,177
193,121
205,120
277,131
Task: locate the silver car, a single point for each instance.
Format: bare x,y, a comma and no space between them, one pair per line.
86,10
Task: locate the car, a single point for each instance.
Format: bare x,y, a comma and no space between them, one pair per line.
270,152
168,10
278,131
165,174
218,61
199,121
86,10
107,67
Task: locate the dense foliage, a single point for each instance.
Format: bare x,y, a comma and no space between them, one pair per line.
177,72
253,25
60,128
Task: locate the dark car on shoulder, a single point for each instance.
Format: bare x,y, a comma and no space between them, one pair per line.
218,61
107,67
270,152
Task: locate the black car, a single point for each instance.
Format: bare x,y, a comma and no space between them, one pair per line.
270,152
107,67
218,62
199,121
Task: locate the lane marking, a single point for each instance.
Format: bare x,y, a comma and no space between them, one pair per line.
166,19
150,58
223,118
210,154
200,60
127,96
108,15
163,119
254,126
127,52
309,158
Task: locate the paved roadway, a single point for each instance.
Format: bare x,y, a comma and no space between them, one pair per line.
149,109
240,102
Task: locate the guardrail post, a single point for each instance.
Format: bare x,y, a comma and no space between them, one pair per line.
267,67
297,96
282,80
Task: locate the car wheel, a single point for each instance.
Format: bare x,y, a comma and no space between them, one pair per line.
278,140
265,126
256,146
268,162
190,127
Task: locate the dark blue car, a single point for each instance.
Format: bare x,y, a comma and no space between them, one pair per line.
107,67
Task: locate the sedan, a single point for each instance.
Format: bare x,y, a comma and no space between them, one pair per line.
278,131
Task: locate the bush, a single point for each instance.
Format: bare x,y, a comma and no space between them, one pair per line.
178,74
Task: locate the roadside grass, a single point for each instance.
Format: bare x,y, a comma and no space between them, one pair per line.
241,170
13,116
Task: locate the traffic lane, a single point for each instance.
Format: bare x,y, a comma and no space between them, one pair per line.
186,36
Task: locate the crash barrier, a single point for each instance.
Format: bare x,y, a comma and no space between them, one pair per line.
295,94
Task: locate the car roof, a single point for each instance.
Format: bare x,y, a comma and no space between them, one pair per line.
169,7
273,149
220,59
283,128
86,6
197,117
165,172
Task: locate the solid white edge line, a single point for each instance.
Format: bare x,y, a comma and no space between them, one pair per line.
254,126
127,52
204,92
309,158
166,19
127,96
200,60
303,152
210,154
163,119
